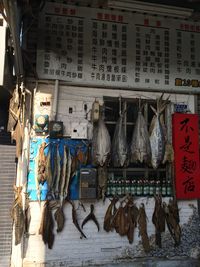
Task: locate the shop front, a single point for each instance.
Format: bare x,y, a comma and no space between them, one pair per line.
113,158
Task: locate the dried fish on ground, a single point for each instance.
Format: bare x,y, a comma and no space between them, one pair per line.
119,144
172,219
142,225
92,217
158,219
103,145
47,225
140,144
75,221
102,181
107,225
60,218
17,215
157,137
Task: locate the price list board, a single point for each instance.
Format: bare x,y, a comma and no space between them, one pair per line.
99,47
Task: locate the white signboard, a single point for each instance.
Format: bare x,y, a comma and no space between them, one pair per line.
101,47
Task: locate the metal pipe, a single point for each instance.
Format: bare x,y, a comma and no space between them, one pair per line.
55,100
183,91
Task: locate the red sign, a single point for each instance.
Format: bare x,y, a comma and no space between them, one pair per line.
186,155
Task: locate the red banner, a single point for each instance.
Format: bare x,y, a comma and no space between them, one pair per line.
186,155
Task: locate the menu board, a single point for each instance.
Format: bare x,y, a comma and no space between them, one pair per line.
99,47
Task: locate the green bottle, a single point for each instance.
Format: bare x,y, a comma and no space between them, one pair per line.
133,187
164,189
146,188
127,187
169,188
119,188
113,188
151,187
108,190
158,188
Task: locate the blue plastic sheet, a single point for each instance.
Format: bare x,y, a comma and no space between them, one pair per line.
52,144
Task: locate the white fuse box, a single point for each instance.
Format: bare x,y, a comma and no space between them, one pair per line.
79,130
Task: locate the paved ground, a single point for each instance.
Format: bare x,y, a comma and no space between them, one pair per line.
131,263
156,263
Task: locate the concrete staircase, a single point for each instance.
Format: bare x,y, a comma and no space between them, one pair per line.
7,180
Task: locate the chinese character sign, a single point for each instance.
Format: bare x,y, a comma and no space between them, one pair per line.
186,150
90,46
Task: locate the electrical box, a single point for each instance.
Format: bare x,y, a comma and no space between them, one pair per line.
41,124
56,129
88,183
79,130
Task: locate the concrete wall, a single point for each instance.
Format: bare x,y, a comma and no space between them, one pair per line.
99,247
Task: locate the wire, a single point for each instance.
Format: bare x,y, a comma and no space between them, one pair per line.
136,95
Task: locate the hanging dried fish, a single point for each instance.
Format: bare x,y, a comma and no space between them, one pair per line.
153,121
157,137
27,213
55,171
142,225
47,225
169,153
107,225
58,175
60,218
120,221
119,144
102,181
140,144
17,215
68,173
103,145
75,221
132,214
92,217
81,157
48,169
172,219
63,176
130,232
158,219
42,164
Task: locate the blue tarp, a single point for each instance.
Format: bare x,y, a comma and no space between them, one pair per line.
52,144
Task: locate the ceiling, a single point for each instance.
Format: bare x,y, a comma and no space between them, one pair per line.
193,4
